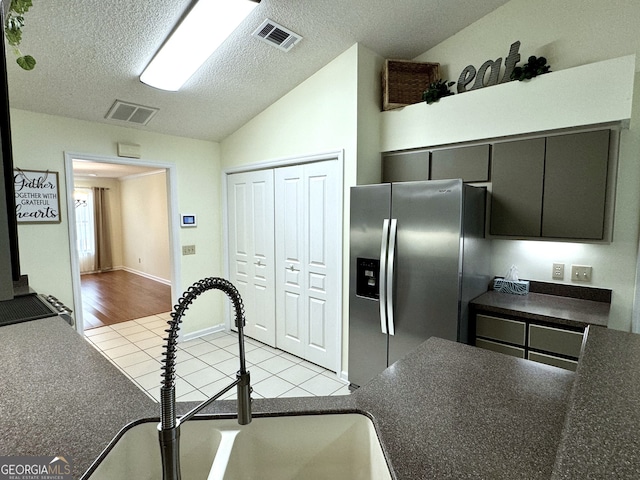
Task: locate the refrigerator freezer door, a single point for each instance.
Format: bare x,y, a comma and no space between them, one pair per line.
427,263
370,206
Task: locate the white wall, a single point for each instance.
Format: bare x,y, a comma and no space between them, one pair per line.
568,33
145,226
114,212
335,109
39,142
369,119
317,116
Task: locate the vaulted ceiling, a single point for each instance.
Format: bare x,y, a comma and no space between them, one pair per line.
91,52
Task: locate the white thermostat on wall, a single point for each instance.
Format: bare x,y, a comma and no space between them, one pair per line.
187,220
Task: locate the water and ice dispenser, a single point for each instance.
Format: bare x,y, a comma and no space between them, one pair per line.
367,278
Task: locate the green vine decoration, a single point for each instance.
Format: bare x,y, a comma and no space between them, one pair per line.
13,23
535,66
436,90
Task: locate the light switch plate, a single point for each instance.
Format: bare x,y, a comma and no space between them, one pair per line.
581,273
188,250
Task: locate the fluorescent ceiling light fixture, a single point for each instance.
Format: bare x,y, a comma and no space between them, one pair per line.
200,33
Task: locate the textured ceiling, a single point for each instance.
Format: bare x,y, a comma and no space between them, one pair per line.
91,52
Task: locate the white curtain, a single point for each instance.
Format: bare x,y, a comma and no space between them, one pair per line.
85,229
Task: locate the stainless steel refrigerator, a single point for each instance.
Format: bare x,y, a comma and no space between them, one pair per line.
418,255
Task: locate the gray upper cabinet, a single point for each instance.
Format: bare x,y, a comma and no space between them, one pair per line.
553,187
517,180
575,185
471,164
405,166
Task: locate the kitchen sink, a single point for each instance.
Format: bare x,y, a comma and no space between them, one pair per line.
337,446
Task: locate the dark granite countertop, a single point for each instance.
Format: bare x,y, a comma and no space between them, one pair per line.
452,411
446,411
59,395
601,438
545,308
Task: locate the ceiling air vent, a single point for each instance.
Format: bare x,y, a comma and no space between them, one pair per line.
130,113
278,36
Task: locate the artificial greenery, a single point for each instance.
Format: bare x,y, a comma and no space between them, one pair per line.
535,66
436,90
13,23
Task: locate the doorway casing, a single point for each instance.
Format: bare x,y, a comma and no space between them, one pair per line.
172,207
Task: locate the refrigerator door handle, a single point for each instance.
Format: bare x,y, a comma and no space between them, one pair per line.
390,270
382,276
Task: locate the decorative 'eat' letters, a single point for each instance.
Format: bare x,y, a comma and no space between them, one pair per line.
469,72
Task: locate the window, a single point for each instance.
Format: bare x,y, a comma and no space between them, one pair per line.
85,229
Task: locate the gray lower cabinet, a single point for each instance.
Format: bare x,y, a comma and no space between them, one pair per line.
500,348
552,187
552,360
555,340
552,345
501,329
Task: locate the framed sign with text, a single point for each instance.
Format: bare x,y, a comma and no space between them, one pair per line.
37,196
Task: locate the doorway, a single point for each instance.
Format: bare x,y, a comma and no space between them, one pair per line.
135,277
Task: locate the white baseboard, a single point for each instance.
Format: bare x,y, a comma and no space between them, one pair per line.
145,275
201,333
344,376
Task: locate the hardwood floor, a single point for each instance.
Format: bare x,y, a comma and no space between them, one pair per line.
119,296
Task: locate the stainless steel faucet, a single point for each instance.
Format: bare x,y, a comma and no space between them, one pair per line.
169,427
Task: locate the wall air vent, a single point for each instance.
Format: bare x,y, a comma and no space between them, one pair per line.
130,113
276,35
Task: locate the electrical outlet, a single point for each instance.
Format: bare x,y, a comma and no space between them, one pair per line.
188,250
558,271
581,273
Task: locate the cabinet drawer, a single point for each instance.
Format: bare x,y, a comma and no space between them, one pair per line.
554,340
500,348
510,331
553,361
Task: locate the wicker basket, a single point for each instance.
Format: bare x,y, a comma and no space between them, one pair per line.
403,82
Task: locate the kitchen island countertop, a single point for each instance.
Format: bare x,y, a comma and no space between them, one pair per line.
601,437
445,411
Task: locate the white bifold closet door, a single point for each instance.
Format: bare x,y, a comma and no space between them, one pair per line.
308,259
251,249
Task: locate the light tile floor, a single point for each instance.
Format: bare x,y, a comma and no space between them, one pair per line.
207,364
